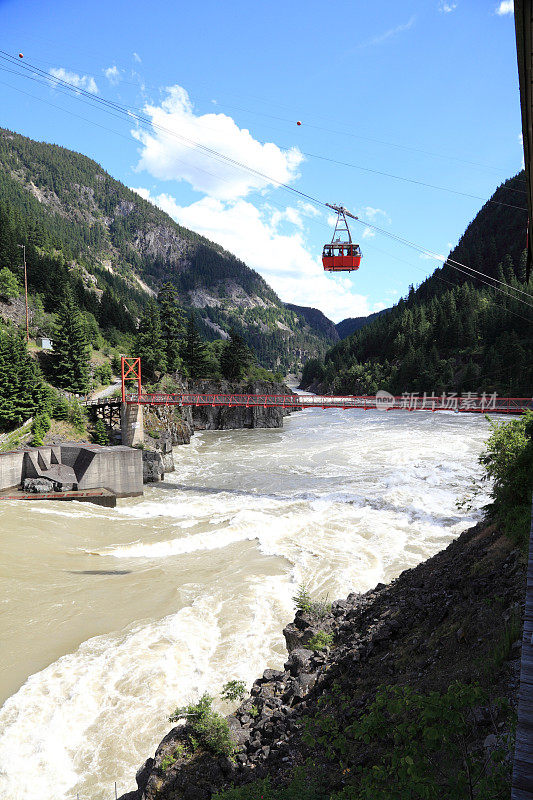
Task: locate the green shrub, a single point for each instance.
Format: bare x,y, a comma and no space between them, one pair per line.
9,285
303,601
508,461
39,428
103,374
233,690
48,401
116,365
209,727
320,641
171,758
302,598
419,746
77,415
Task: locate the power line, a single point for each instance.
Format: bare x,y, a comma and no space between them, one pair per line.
455,264
146,121
291,120
107,104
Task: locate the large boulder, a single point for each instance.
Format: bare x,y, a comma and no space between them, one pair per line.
153,466
40,485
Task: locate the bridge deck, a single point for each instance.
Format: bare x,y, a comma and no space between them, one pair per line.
407,402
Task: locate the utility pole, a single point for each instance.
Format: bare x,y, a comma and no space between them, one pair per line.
23,246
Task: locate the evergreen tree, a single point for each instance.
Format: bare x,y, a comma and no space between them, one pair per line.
172,326
100,433
21,386
9,285
194,351
236,358
149,343
71,347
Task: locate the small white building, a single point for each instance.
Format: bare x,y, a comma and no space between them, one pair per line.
44,343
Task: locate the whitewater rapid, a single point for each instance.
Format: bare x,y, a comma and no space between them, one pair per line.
113,617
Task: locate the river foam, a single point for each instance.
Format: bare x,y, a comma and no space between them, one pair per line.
201,573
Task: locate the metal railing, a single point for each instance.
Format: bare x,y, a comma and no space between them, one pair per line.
406,402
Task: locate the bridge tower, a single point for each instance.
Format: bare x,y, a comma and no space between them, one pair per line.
131,414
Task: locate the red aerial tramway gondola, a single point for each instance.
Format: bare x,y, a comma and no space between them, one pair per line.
341,255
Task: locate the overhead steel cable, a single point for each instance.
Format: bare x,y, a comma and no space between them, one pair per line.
413,180
95,99
454,264
290,120
149,122
123,111
440,257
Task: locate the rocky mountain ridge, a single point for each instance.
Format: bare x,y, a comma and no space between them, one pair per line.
114,237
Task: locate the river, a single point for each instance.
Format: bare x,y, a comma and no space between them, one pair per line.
110,618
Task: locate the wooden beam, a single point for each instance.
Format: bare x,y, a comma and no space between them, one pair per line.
523,10
522,787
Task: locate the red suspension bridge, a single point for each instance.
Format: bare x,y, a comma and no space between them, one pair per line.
408,401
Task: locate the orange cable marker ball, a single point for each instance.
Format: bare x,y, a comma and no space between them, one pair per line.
21,55
298,123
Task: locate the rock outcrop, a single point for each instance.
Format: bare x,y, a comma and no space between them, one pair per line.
435,624
224,418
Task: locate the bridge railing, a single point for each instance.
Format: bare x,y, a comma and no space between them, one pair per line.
407,402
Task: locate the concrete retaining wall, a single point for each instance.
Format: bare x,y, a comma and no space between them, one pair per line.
119,469
90,466
11,469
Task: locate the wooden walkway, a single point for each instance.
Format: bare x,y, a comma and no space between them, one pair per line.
523,760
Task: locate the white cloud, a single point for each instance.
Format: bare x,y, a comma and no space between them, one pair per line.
271,242
168,157
447,7
137,58
505,7
113,75
368,233
144,193
79,81
374,214
383,37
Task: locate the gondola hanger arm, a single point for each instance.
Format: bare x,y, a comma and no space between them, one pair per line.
341,210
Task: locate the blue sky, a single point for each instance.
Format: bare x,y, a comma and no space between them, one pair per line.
422,89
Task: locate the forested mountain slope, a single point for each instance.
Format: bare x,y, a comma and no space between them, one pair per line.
350,325
84,228
455,332
317,321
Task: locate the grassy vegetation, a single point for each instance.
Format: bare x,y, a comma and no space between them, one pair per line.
320,641
317,607
207,726
417,747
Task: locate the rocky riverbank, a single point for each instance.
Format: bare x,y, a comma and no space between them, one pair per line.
455,617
